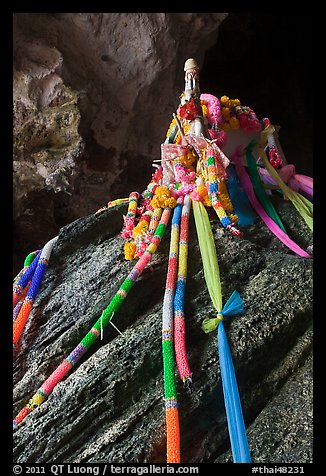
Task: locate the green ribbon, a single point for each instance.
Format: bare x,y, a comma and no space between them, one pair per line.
259,188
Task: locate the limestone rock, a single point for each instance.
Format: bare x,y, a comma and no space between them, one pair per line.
111,408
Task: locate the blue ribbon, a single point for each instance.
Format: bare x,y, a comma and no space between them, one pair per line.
246,215
234,306
234,415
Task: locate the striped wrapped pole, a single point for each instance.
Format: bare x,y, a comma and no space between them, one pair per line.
129,219
179,318
213,193
90,338
28,260
24,280
155,218
21,319
170,392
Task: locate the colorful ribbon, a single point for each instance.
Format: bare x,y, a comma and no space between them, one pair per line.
302,204
274,228
259,188
243,209
234,306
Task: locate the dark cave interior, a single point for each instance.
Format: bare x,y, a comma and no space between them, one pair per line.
265,60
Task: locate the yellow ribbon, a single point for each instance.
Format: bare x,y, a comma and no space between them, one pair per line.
301,203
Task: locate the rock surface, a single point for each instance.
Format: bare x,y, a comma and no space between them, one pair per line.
111,408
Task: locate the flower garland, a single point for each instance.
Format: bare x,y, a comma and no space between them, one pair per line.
215,169
22,294
275,158
212,114
236,116
25,279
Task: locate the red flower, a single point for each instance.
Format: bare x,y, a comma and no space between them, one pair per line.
189,110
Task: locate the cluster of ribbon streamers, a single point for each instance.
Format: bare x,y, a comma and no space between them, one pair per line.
199,167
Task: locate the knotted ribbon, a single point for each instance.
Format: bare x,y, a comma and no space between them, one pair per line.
234,305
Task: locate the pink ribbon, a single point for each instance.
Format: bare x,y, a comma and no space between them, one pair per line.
288,174
248,188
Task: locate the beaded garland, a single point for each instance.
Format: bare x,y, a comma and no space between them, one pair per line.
39,270
170,392
25,278
28,260
212,186
129,220
179,317
194,171
90,338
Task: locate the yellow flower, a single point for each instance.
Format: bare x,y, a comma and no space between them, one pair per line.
129,250
205,110
141,228
162,192
186,126
234,218
224,100
202,192
162,198
170,202
155,203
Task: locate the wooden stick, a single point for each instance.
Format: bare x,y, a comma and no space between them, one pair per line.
178,124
